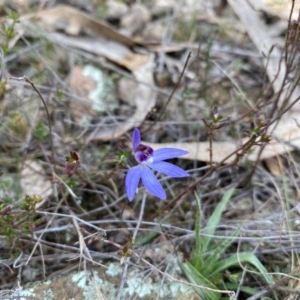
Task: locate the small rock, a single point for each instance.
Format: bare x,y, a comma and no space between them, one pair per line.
30,274
115,10
87,285
154,31
136,19
162,6
127,90
34,180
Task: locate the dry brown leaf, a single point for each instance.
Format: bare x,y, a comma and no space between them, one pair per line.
258,32
74,22
273,166
144,98
96,90
286,132
158,47
81,85
200,150
99,38
281,8
114,51
89,34
34,180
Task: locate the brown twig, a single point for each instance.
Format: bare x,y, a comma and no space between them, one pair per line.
47,112
248,145
171,95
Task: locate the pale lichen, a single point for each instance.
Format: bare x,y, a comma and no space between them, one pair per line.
103,96
139,286
48,295
113,270
88,288
30,274
140,283
25,294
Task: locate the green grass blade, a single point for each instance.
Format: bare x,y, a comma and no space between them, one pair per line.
197,257
147,238
215,254
215,219
246,289
195,277
235,260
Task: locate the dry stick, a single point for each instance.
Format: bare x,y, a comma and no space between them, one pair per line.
96,286
74,197
246,180
277,99
279,94
172,93
283,79
47,112
249,176
288,33
50,130
289,67
159,291
273,286
235,83
210,139
235,152
138,225
42,258
46,213
231,294
244,268
244,148
86,255
213,169
48,224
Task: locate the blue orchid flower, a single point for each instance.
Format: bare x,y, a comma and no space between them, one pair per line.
148,159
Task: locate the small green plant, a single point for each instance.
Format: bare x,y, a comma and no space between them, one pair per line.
14,223
17,125
6,222
41,132
9,188
206,266
30,202
8,30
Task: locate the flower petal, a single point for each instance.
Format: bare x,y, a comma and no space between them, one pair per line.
167,153
152,184
136,138
132,180
168,169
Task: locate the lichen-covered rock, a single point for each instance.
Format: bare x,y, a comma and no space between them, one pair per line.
103,283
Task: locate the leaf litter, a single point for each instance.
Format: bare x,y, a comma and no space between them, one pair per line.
66,49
